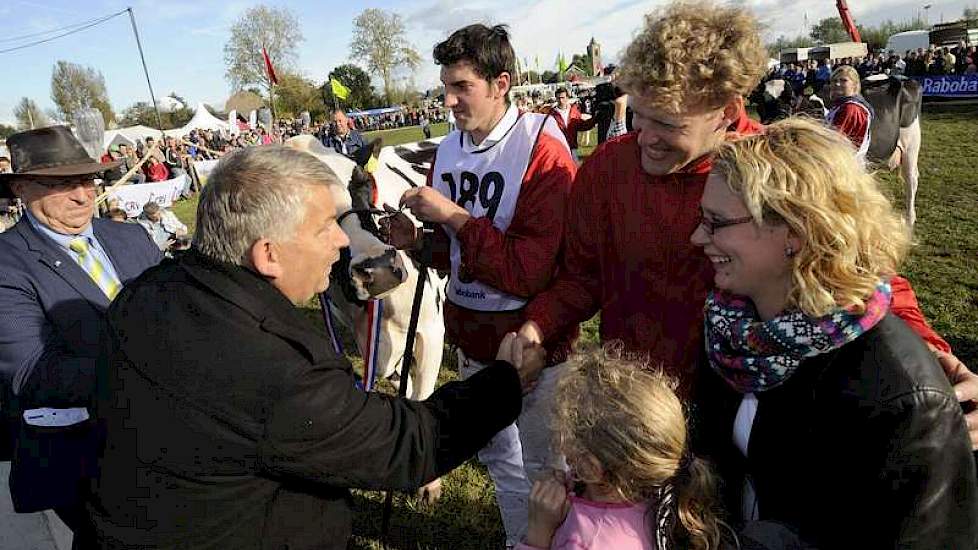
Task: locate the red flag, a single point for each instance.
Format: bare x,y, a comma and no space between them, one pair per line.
268,66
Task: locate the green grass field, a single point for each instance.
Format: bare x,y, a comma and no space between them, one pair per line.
943,268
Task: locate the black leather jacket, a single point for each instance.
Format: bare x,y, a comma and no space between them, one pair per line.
863,447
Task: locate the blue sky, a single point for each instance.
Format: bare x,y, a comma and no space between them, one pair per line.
183,40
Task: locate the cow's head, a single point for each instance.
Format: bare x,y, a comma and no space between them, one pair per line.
896,104
375,268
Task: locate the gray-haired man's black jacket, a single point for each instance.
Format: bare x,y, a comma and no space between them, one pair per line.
230,422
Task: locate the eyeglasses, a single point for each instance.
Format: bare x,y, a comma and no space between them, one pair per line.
711,227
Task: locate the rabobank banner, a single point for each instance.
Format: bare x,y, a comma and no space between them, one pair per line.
949,85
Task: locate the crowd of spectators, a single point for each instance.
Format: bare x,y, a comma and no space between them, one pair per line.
405,117
958,60
932,61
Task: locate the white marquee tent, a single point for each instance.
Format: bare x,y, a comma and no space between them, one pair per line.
202,119
129,135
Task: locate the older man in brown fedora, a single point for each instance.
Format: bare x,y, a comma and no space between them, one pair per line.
59,271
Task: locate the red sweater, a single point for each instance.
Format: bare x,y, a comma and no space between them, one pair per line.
157,172
520,261
627,254
574,124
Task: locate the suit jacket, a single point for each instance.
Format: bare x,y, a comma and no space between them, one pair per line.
863,447
50,337
231,423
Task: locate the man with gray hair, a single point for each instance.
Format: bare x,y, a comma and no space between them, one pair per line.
229,420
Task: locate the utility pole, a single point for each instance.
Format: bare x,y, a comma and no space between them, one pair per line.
152,96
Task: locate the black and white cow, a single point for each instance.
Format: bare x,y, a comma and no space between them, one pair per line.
895,132
894,135
374,270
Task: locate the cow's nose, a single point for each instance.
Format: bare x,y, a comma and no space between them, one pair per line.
379,275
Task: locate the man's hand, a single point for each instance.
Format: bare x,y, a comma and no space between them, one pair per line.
965,385
530,338
529,360
548,509
397,230
429,205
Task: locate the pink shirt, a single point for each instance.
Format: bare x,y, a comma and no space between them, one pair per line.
600,526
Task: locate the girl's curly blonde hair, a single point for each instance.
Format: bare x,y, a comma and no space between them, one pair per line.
624,414
694,54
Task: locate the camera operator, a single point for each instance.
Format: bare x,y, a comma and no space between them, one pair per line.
611,110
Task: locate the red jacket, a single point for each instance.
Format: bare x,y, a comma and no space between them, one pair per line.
852,120
520,261
574,124
157,172
628,256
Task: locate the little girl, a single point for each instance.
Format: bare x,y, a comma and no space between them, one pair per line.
623,432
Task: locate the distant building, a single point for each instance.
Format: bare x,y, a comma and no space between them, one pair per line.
594,51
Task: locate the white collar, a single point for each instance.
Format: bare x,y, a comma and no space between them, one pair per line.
498,132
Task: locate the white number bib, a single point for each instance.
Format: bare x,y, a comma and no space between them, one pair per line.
487,184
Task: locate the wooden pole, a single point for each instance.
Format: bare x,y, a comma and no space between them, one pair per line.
125,177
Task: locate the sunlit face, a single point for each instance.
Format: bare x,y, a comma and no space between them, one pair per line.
748,260
66,205
670,141
476,103
307,257
341,122
562,100
843,86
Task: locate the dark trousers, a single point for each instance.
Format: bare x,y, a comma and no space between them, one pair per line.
76,518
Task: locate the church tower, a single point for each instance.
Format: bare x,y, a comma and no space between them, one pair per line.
594,50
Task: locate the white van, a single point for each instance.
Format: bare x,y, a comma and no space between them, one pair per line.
900,42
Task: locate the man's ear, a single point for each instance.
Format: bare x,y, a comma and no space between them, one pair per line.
265,259
503,83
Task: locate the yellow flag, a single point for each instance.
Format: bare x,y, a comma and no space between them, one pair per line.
339,90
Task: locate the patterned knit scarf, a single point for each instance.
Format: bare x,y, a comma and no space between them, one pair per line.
754,355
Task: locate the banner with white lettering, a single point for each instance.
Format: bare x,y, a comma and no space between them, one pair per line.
965,85
132,197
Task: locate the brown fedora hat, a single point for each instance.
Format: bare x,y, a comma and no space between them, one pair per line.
51,152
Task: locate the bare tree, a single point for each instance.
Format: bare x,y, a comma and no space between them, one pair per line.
75,87
275,29
379,41
29,115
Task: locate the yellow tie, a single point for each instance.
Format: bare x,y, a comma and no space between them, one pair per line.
105,281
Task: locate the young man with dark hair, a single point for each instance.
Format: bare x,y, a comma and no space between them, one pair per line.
497,191
569,119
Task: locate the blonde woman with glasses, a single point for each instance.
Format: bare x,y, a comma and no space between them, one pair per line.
823,410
